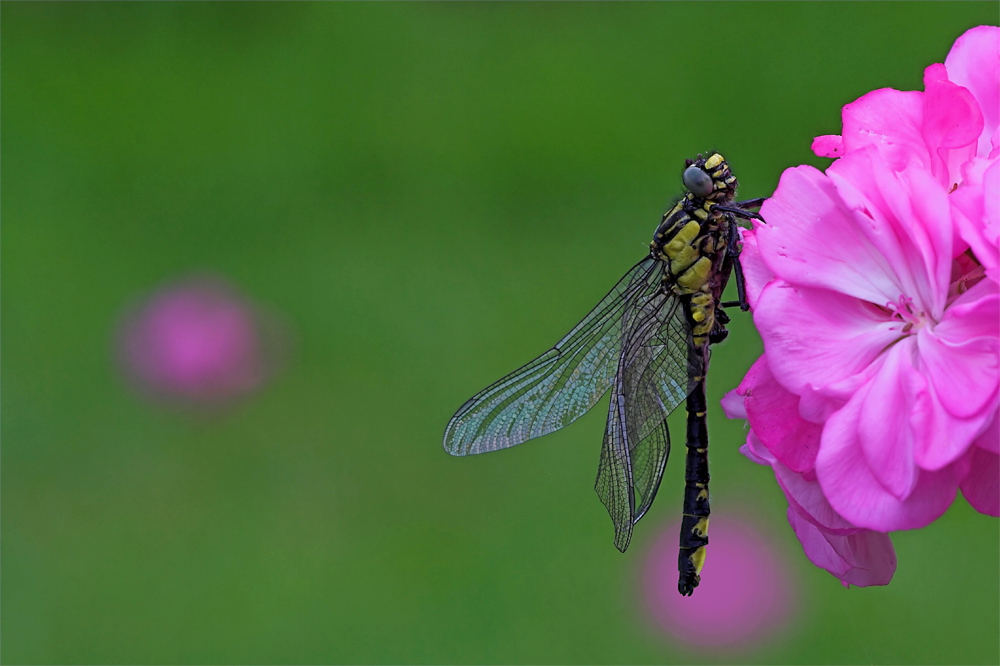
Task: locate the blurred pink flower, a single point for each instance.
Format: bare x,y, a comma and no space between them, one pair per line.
874,289
747,598
196,341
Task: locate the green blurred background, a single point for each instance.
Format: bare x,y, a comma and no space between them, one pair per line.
428,195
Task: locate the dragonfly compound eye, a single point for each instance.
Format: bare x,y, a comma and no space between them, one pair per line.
697,181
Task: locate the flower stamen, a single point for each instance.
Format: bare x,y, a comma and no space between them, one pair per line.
904,311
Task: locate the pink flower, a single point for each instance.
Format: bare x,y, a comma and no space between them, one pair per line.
874,288
197,341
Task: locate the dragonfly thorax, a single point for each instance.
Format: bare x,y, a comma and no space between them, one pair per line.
691,240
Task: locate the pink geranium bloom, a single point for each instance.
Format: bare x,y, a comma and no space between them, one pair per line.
874,289
197,342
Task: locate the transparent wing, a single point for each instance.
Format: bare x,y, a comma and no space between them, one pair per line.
560,385
655,371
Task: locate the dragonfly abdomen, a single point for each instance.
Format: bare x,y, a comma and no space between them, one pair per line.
694,521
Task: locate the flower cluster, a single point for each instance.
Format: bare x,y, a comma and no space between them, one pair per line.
875,289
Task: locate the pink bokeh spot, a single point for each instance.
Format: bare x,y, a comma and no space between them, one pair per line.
745,596
196,341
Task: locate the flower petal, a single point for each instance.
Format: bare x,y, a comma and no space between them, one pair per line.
974,63
863,558
942,439
892,121
855,555
806,496
815,337
733,405
981,486
991,219
989,440
977,206
961,355
856,494
952,124
813,238
905,218
755,271
883,423
755,451
828,145
773,413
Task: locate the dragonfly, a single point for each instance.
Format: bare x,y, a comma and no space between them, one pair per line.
648,343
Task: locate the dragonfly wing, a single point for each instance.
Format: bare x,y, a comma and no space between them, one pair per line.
560,385
653,378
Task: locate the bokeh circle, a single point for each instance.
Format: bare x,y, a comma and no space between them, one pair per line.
746,593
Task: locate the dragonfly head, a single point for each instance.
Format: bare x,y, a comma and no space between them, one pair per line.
709,178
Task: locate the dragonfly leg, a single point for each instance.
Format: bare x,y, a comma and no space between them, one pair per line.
741,288
751,203
739,212
733,252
